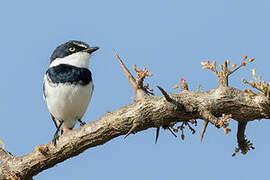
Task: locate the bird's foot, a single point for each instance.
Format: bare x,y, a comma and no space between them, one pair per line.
55,138
81,122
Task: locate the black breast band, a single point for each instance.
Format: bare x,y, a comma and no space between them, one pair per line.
65,73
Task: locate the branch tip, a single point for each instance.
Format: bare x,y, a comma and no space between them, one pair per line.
225,72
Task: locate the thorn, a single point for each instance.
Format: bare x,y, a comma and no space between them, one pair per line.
172,132
205,123
128,75
131,131
167,97
157,134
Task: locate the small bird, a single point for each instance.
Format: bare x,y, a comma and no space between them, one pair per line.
68,86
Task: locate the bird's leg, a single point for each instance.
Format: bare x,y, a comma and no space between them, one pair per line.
56,136
64,129
81,122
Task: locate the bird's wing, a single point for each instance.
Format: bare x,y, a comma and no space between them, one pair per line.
44,89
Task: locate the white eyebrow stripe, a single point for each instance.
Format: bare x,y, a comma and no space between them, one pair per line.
79,44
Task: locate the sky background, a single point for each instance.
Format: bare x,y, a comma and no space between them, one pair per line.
170,38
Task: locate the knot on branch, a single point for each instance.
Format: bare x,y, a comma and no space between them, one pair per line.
225,72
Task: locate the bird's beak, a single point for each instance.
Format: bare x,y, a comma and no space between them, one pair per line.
91,49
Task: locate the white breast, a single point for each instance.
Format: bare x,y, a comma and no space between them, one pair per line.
67,102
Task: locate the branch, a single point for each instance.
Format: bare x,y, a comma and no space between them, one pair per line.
152,112
148,112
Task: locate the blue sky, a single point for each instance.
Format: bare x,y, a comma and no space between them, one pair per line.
170,38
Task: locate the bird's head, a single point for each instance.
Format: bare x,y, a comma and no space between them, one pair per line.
74,53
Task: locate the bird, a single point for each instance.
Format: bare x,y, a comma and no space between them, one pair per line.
68,85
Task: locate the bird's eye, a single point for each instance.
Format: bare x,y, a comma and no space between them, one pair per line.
71,49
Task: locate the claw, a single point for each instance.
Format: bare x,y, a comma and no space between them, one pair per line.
81,122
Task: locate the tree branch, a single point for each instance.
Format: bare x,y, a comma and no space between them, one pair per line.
149,112
152,112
